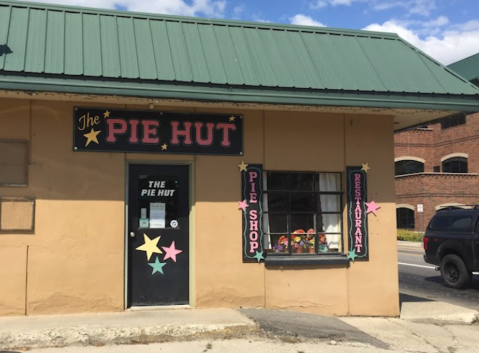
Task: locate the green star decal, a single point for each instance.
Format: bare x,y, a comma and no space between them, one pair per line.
259,256
157,266
352,255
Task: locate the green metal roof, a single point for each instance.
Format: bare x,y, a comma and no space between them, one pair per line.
79,50
468,67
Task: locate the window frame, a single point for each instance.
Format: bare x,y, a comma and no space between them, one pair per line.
410,161
453,121
407,218
455,159
289,231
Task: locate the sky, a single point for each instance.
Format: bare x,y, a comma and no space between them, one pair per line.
447,30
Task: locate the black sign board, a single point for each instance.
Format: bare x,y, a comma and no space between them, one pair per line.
252,205
111,130
357,217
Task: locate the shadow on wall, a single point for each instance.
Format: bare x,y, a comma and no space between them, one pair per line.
4,50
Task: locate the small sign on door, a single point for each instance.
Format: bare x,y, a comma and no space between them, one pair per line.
420,208
157,215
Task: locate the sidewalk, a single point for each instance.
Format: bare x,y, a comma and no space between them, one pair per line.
178,325
122,328
410,244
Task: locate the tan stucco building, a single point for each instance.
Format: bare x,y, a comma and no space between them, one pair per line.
106,216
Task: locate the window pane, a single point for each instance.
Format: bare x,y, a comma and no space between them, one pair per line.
461,223
302,201
302,221
331,223
278,223
332,242
452,121
455,165
405,218
408,167
158,201
329,182
277,201
279,243
329,203
440,222
301,181
277,181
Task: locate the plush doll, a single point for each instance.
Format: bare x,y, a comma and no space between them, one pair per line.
323,244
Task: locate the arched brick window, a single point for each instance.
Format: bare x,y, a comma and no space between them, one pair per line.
408,166
455,165
405,218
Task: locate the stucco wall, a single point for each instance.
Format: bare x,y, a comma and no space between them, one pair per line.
329,143
75,260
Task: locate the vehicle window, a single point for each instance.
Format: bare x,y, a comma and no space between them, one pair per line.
440,222
461,222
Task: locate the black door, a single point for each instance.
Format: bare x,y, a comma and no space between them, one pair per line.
158,246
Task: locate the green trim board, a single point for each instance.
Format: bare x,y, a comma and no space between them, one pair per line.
238,94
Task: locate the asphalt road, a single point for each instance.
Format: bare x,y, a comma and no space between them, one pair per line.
420,281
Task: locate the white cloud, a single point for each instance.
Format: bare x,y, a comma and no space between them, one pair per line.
450,45
212,8
238,10
438,22
304,20
381,6
422,7
341,2
412,7
318,4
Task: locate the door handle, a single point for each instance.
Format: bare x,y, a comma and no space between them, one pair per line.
132,234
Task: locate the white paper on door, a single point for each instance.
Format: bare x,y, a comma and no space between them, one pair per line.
157,215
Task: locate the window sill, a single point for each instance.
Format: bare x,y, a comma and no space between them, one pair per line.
306,260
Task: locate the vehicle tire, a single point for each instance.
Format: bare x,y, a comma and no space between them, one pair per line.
454,272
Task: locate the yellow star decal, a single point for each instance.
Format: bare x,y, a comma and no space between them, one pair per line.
106,114
365,167
92,136
164,147
242,166
150,246
232,118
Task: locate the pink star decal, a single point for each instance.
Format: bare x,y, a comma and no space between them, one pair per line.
171,252
242,205
372,207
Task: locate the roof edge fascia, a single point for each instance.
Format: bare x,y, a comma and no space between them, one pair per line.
468,104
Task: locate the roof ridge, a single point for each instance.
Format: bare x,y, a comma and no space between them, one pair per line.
205,20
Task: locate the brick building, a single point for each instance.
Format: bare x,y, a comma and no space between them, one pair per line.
437,164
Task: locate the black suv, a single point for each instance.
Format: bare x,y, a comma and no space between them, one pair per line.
451,241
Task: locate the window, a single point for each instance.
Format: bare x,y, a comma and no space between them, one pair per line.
462,222
451,121
13,162
302,212
405,218
440,222
408,167
455,165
